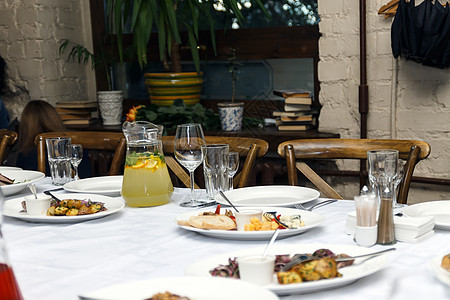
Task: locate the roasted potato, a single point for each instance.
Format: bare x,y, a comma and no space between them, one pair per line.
84,210
307,270
94,208
326,267
72,212
51,211
72,203
61,211
288,277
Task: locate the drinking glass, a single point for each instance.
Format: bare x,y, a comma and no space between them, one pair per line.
215,169
76,157
58,152
383,165
233,166
189,140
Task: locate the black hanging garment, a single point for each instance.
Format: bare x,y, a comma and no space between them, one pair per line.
422,33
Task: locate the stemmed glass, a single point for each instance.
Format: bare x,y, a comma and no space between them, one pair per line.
233,166
189,140
76,151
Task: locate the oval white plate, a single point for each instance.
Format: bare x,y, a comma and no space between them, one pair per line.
198,288
269,195
441,274
105,185
22,178
311,220
440,210
14,206
9,168
349,274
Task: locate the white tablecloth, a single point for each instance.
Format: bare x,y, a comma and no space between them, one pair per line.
61,261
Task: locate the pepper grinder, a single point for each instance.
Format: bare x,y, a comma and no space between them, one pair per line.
386,235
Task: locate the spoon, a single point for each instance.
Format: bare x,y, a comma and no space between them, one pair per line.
32,188
228,200
269,245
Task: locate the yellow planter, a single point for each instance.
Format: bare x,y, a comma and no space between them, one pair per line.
164,88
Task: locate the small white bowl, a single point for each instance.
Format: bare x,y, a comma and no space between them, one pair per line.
37,206
255,269
366,236
245,215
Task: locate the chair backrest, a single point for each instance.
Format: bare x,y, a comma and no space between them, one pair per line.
250,148
410,150
108,160
7,139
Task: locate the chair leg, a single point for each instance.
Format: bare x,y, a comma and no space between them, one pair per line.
179,172
290,163
408,172
327,190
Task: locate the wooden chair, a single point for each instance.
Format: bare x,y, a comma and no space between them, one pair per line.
310,149
7,139
250,148
109,148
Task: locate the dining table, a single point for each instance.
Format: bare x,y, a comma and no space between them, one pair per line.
64,260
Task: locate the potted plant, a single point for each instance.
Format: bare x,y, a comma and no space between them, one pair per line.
170,17
110,102
231,113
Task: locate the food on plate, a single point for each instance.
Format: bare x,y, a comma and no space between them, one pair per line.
5,180
324,267
167,296
227,221
220,222
445,264
74,207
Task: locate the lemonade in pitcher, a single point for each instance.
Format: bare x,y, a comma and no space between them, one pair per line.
146,180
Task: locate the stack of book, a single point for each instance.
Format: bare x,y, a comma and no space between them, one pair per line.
297,113
77,113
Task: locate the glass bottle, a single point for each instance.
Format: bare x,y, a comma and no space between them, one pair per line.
386,234
146,180
9,289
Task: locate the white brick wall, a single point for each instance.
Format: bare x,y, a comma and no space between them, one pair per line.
423,93
30,35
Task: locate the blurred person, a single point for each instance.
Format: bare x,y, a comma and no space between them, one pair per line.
4,115
37,117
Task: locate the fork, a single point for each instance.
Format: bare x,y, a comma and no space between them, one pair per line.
300,258
301,207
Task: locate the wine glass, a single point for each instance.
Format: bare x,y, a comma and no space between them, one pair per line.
189,140
233,166
76,156
382,169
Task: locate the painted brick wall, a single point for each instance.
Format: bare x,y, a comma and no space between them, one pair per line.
30,35
422,109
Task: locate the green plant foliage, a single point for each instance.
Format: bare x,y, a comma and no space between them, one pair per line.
179,113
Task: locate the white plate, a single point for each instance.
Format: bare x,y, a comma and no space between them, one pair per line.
441,274
311,220
8,168
349,274
440,210
198,288
105,185
269,195
22,179
14,206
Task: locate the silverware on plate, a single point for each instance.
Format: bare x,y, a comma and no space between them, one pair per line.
300,258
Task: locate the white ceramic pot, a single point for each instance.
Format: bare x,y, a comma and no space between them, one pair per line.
110,104
231,115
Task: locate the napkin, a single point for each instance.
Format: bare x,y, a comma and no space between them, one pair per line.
407,229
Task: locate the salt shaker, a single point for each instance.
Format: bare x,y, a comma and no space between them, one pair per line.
386,235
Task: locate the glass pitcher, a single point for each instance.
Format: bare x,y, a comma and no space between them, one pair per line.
146,180
9,289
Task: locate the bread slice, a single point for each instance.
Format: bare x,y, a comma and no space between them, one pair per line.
219,222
